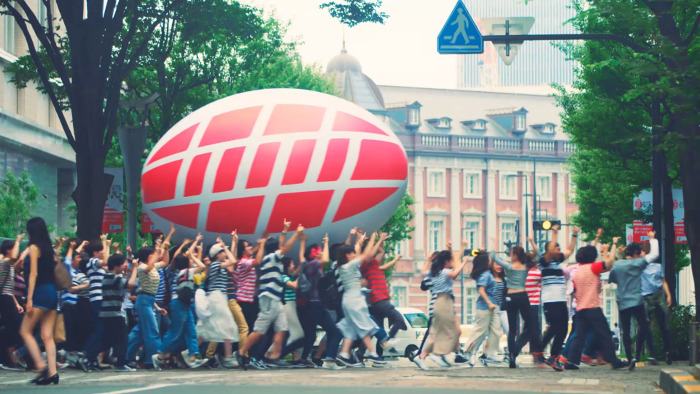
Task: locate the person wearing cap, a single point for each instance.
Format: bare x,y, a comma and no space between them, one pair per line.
219,326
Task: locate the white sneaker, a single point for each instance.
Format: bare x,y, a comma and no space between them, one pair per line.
156,362
439,360
330,364
421,363
390,345
230,362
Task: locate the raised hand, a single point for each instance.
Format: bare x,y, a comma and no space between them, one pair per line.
300,229
616,240
576,230
651,234
600,231
325,239
286,224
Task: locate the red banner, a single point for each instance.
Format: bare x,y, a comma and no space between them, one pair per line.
640,231
680,233
147,224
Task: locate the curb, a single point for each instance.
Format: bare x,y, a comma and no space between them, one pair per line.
678,381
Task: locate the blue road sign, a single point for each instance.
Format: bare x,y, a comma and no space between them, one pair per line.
460,34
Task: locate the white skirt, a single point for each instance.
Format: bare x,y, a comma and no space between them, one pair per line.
295,330
357,322
219,325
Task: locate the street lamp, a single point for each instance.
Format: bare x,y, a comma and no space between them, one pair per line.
527,227
132,141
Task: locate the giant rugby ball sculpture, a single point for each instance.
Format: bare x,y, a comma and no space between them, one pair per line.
249,161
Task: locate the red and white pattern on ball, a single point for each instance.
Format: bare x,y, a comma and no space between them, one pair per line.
249,161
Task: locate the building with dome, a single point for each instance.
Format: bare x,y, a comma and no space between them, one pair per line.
476,159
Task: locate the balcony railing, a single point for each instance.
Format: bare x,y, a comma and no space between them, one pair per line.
476,144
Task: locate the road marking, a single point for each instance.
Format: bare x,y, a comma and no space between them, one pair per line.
152,387
27,380
579,381
120,376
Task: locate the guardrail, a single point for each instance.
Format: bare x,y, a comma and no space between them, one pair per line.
477,144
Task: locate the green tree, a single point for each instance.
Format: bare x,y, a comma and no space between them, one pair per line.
18,197
618,87
354,12
399,228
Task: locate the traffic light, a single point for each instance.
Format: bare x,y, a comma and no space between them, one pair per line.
545,225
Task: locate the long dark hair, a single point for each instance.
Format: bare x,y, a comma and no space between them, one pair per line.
341,257
481,265
39,235
242,244
519,252
439,263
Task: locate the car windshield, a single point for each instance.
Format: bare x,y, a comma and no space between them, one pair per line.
417,320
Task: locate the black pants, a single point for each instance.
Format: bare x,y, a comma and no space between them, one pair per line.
592,320
9,321
655,305
313,314
644,334
115,337
557,317
520,304
384,309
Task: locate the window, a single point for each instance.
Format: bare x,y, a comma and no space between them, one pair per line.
520,122
544,187
470,235
469,304
402,248
9,30
413,116
549,128
444,123
508,188
508,232
480,125
436,183
436,235
42,13
399,295
472,185
417,320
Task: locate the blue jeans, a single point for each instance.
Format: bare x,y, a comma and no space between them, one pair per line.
146,332
311,315
589,345
181,327
95,344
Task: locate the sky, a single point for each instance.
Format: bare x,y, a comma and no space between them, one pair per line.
402,52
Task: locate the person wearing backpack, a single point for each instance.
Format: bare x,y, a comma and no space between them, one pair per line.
181,317
310,308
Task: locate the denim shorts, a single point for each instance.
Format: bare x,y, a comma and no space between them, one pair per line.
45,297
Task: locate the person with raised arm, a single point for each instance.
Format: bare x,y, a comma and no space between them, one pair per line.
627,274
589,315
270,254
518,302
219,326
98,252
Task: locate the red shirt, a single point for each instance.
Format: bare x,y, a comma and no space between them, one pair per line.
533,285
376,280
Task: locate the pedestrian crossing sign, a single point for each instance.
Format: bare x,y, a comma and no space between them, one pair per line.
460,34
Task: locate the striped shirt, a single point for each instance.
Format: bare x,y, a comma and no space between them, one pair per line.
20,287
190,276
68,298
553,280
442,283
7,278
148,280
427,283
112,295
271,276
376,281
289,293
95,273
230,286
245,278
587,285
160,293
499,289
81,279
218,278
533,284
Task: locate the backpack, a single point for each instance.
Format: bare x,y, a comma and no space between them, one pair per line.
305,286
328,291
185,289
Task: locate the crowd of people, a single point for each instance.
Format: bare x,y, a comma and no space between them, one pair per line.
90,305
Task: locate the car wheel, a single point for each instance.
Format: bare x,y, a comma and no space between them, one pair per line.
411,351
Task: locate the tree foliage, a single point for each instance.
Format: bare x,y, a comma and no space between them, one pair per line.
18,197
399,225
354,12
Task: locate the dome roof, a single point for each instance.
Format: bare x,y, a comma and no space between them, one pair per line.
343,62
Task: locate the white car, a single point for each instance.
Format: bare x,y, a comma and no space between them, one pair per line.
408,341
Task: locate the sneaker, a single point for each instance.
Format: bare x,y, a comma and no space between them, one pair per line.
511,362
84,364
652,361
18,360
344,361
123,368
377,362
60,365
619,364
588,360
276,363
557,364
357,355
317,362
538,360
571,367
331,364
14,368
632,364
309,364
461,360
243,361
490,360
229,362
439,360
211,363
157,362
258,364
390,345
420,363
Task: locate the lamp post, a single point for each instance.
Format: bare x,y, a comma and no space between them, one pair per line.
132,142
527,227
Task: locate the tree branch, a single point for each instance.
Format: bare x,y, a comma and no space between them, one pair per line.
693,31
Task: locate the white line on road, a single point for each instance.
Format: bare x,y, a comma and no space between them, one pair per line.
120,376
27,380
152,387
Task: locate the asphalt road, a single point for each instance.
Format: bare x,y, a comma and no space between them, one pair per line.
402,377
